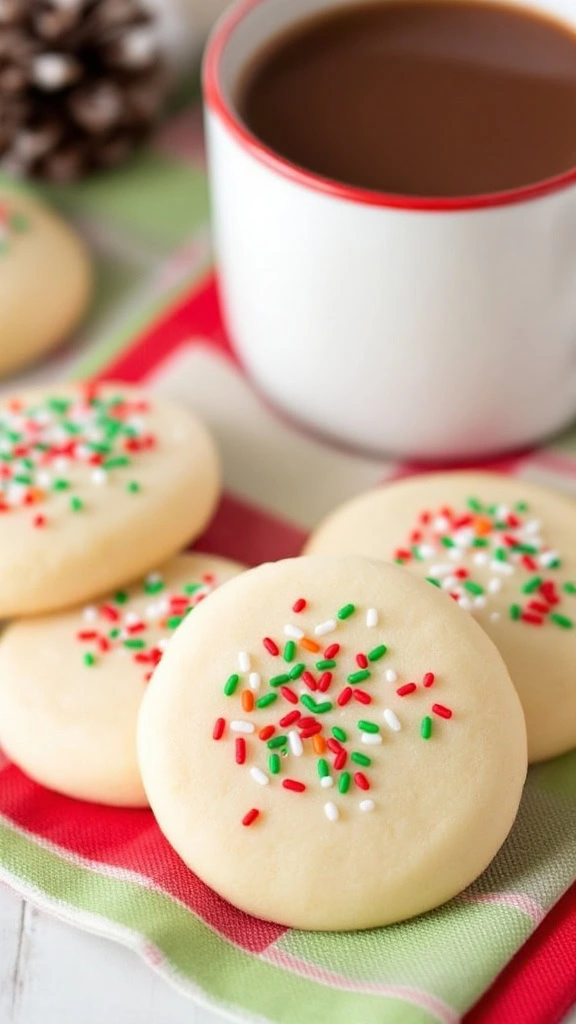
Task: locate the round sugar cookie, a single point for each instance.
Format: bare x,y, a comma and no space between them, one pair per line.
98,484
504,550
45,279
330,744
71,683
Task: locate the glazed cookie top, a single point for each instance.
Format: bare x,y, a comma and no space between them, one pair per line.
503,550
71,683
295,720
97,483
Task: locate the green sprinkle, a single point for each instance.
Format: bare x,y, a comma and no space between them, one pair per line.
562,621
89,659
121,596
308,702
58,405
570,588
61,485
346,611
277,741
174,621
297,670
473,588
322,708
344,782
492,509
117,462
264,702
192,588
279,680
447,542
416,553
377,652
474,505
339,734
289,651
133,487
361,759
114,633
321,665
526,549
501,555
231,685
515,611
480,542
135,644
153,585
323,769
21,478
365,726
76,504
554,564
532,585
426,728
433,581
400,561
274,764
359,677
521,506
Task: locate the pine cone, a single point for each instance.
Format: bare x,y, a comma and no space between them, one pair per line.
81,81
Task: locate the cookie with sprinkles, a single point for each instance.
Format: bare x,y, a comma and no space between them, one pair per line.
98,484
502,549
71,683
330,744
45,279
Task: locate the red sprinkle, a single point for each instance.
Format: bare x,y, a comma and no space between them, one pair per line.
109,612
334,746
219,726
289,694
538,606
529,563
86,634
362,697
250,818
403,554
103,643
309,680
310,730
462,574
345,696
240,750
39,521
299,605
296,787
362,661
271,646
324,681
428,679
266,732
509,540
416,536
340,760
425,518
307,721
403,691
513,521
534,620
361,780
331,651
138,627
441,711
289,719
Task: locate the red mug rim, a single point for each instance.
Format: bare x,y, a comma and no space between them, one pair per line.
217,103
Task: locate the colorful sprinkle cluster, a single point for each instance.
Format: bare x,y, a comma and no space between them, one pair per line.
42,446
506,543
12,224
114,625
277,719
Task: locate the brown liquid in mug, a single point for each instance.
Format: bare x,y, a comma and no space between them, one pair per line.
420,97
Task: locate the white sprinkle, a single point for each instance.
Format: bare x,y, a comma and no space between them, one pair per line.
372,618
367,805
254,681
464,537
480,558
449,582
43,478
61,463
454,554
154,577
331,811
295,743
391,675
426,551
532,526
153,611
163,643
132,619
259,776
371,739
503,511
465,603
90,613
494,585
326,781
325,627
440,524
240,726
440,570
547,557
99,476
391,720
480,601
294,632
495,617
244,661
503,568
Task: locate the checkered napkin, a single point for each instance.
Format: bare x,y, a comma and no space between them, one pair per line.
505,950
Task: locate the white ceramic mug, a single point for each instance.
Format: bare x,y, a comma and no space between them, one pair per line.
431,328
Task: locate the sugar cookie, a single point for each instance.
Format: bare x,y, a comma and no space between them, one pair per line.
330,744
505,550
45,279
71,683
98,484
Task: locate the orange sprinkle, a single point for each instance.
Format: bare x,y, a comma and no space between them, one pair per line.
482,526
266,732
319,744
247,700
309,645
